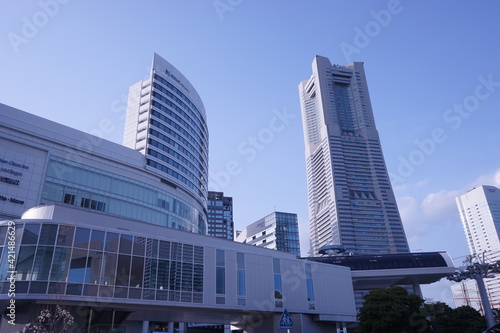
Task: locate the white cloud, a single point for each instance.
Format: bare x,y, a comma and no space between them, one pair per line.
440,205
422,216
439,291
489,179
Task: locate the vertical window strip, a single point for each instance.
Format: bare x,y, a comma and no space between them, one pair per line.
309,283
220,278
240,275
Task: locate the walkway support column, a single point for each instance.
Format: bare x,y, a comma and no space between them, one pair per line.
145,326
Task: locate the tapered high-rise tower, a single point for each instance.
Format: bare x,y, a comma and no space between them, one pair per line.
351,202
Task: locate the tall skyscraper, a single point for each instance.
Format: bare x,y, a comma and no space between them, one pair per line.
220,215
480,214
166,121
277,231
351,201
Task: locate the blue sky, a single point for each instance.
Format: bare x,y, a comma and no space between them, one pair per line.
432,71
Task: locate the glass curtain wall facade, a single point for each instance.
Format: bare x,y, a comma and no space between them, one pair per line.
92,264
166,121
351,202
277,231
79,261
83,186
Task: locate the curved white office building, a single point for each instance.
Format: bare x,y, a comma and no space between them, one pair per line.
43,162
166,122
163,182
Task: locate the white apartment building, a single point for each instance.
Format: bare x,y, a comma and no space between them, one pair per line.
479,211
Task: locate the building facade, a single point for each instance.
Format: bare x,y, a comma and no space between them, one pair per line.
109,239
116,274
220,215
43,162
351,201
277,231
479,211
166,122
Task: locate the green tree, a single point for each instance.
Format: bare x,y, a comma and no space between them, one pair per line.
438,315
464,319
392,310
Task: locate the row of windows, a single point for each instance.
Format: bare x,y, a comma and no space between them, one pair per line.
190,133
75,184
394,261
174,153
195,124
82,256
78,289
85,202
178,137
175,164
102,241
195,147
106,183
184,97
168,213
176,175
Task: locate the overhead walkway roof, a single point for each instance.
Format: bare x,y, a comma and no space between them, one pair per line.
381,270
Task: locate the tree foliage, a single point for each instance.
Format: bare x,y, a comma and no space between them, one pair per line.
53,320
465,319
391,310
438,316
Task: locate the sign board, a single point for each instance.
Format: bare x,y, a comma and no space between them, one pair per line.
286,321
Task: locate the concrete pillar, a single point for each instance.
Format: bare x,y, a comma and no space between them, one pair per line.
145,326
170,327
417,290
182,327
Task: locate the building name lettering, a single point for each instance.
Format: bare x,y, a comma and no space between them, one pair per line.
176,79
12,171
19,165
13,200
9,180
